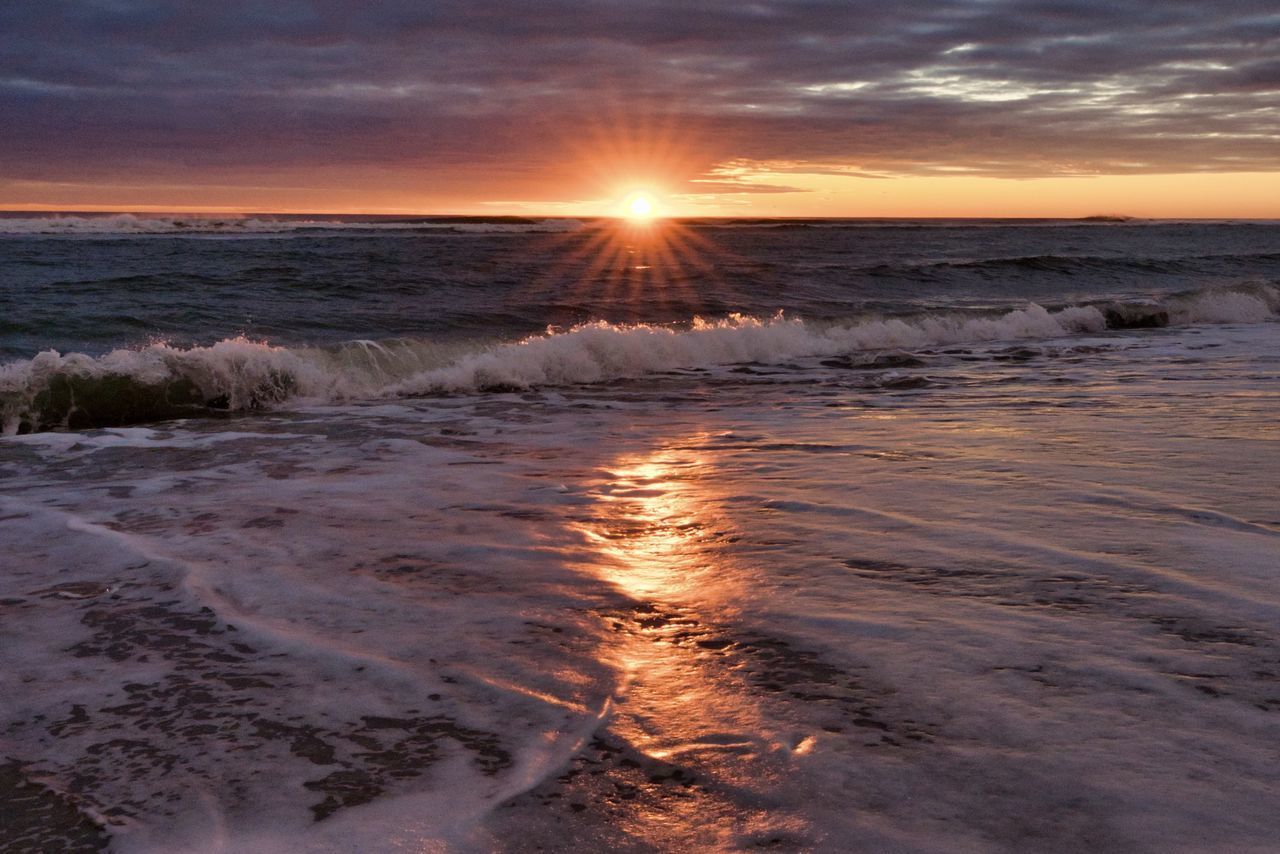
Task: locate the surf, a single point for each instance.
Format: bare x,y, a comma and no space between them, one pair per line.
76,391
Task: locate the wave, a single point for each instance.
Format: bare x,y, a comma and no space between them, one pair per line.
600,351
1065,264
77,391
1068,265
198,224
1016,265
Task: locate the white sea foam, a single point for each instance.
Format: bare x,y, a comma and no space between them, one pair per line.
125,224
1028,611
241,374
63,445
598,352
1226,305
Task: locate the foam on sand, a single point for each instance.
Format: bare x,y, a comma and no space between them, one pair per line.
1014,610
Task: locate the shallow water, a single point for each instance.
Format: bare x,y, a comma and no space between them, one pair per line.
1006,587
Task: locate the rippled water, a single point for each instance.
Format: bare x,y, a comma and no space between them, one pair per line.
316,284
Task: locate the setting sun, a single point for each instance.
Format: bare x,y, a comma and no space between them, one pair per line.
640,207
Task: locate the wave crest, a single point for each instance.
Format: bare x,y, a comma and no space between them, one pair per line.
1245,304
600,351
76,391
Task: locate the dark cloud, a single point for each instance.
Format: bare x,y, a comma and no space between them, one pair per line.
472,94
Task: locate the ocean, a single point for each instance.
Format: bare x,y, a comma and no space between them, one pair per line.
507,534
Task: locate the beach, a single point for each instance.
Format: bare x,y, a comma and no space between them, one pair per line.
339,534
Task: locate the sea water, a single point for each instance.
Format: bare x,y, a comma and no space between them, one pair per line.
330,535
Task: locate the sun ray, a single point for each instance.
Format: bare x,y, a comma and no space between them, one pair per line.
639,263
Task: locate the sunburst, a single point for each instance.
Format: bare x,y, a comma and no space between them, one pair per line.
640,207
640,262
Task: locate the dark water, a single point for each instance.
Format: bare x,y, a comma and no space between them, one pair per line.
117,320
326,285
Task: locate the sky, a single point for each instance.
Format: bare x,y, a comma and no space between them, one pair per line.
823,108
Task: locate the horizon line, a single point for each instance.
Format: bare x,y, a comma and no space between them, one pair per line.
490,217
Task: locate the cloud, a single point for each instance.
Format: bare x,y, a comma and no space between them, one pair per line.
463,97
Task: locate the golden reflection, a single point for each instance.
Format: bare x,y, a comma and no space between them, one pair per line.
662,541
642,264
662,535
653,529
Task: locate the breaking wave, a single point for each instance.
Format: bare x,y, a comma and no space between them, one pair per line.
77,391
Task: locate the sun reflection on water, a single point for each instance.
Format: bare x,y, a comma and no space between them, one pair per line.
633,268
653,527
662,266
662,543
665,540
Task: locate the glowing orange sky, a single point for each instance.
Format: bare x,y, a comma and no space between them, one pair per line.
1249,195
721,108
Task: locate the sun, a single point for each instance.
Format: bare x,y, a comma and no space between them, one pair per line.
640,207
